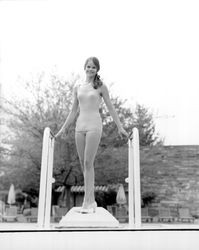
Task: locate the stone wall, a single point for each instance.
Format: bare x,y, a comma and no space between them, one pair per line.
172,173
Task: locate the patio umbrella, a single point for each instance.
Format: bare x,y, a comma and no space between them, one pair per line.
11,195
2,207
121,197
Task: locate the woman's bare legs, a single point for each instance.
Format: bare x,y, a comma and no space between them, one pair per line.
80,139
87,146
92,143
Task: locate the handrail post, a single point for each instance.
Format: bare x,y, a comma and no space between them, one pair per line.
49,183
136,174
134,180
130,184
45,191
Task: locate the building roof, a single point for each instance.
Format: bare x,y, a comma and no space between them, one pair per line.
80,189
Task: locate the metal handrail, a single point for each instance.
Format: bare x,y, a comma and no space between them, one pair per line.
46,179
134,180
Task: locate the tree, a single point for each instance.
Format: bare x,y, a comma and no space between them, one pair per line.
44,106
145,124
48,106
110,135
147,198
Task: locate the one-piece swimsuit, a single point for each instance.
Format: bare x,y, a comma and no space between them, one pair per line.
89,118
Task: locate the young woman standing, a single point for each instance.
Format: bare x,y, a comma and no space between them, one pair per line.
87,97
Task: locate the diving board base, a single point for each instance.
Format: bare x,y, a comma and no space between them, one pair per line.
100,219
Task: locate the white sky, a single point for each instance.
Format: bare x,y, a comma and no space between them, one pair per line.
148,49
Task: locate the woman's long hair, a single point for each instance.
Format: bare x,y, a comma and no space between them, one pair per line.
97,81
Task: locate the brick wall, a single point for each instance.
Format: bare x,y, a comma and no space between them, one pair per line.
172,172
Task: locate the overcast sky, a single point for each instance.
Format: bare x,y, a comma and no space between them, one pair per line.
148,49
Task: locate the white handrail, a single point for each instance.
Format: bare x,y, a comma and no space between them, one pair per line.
46,180
45,191
131,183
137,188
134,180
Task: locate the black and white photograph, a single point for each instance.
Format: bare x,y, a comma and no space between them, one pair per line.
99,138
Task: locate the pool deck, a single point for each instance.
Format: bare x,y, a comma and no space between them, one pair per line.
14,226
29,236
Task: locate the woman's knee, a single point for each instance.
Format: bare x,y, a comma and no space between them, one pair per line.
81,162
88,164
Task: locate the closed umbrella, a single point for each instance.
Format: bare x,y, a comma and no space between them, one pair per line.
121,197
2,207
11,195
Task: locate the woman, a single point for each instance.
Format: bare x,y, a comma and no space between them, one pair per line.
87,97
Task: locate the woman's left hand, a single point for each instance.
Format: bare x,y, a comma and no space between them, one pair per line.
121,132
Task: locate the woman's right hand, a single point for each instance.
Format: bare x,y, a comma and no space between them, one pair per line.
122,132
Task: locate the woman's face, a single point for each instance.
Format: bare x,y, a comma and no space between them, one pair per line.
90,69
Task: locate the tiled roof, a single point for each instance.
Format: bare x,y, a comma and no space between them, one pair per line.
60,189
80,189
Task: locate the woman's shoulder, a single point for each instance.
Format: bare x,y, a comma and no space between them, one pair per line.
103,90
78,83
103,87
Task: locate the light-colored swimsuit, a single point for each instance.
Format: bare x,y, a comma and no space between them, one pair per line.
89,118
